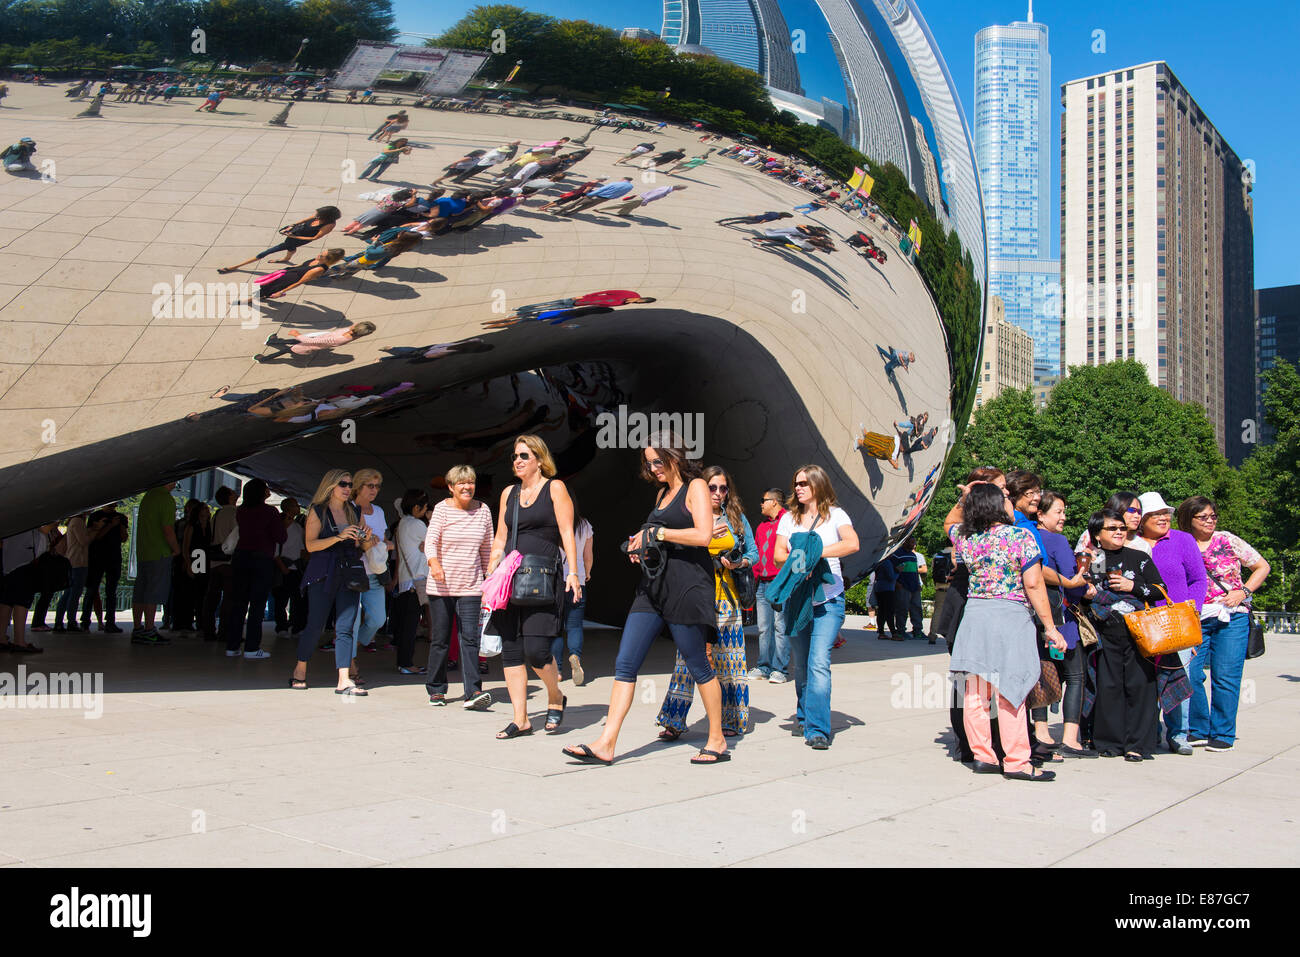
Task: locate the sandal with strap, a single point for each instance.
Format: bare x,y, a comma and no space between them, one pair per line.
512,731
555,716
670,734
352,691
587,756
298,684
717,757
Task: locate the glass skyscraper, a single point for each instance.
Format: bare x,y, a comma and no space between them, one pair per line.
1013,148
750,33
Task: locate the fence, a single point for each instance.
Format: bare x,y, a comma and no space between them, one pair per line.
1280,622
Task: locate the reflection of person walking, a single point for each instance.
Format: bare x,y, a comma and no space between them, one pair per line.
887,448
895,359
304,344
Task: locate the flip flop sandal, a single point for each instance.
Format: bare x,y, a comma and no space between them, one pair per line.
352,691
670,734
512,731
298,684
718,756
555,716
585,755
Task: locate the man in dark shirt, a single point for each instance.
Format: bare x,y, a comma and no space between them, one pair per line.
106,531
907,591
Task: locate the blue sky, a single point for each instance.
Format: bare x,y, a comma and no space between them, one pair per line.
1237,62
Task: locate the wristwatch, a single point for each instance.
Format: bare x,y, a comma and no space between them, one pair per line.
659,534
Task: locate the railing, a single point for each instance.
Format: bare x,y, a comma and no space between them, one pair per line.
1280,622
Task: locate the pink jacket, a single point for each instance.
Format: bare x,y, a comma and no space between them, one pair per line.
310,342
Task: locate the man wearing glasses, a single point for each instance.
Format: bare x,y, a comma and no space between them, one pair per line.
773,646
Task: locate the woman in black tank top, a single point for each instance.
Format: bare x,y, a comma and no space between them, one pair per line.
676,590
535,519
296,234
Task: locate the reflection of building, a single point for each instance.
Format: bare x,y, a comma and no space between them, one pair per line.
825,113
640,34
939,96
1013,128
750,33
1157,242
929,172
877,110
1008,356
1277,336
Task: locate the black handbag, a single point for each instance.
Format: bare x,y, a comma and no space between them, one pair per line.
1255,645
533,584
351,567
53,573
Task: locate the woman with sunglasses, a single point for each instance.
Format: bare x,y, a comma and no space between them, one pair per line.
367,615
732,546
676,590
1124,711
334,538
812,508
1128,505
1225,624
536,519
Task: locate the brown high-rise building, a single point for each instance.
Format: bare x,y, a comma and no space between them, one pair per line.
1157,247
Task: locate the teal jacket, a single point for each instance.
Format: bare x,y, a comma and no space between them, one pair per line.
801,581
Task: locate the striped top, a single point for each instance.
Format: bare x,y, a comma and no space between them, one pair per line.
309,342
462,542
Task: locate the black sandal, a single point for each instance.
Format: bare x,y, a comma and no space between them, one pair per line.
555,716
512,731
298,684
352,691
670,734
718,756
587,756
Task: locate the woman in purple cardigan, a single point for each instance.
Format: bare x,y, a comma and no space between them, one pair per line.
1178,559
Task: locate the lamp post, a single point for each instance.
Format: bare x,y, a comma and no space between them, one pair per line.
301,46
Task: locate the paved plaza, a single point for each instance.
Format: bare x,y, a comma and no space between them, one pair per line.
200,760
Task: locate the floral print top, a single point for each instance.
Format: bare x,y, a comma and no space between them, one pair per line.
1224,556
996,559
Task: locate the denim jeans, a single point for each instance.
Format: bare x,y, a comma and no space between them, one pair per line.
1223,648
773,646
810,650
1176,721
369,605
377,167
71,595
320,601
571,618
251,581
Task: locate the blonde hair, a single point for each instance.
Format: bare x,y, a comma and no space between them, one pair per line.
820,484
361,476
539,449
459,473
326,489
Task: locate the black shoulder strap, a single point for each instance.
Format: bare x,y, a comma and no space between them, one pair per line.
515,494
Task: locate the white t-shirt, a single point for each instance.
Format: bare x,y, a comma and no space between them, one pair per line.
377,554
580,536
294,539
828,530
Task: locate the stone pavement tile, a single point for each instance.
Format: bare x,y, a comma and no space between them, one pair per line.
83,274
43,244
170,343
136,381
204,213
26,341
49,387
83,749
92,423
45,725
21,269
100,249
240,846
553,848
15,219
267,796
174,255
49,831
397,830
83,345
153,209
92,308
43,787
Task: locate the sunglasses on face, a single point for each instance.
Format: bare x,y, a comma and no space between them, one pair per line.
1207,518
521,456
343,484
374,485
1114,528
1133,510
656,463
720,489
801,484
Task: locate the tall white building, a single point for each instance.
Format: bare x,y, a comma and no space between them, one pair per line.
929,172
1157,260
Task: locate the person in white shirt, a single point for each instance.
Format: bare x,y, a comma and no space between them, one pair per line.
812,508
290,602
412,573
18,586
571,615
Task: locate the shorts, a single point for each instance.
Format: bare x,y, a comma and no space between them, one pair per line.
153,582
18,588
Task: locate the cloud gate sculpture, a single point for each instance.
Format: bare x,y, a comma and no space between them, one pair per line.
769,351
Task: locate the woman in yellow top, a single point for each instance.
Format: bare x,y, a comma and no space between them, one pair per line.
733,546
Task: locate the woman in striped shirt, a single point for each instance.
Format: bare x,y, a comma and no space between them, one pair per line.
458,546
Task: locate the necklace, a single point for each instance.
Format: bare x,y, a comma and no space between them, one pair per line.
529,495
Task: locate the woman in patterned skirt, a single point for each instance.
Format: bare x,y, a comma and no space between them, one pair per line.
732,546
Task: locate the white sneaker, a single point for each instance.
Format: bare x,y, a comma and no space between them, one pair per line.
260,653
756,674
776,678
575,667
233,654
480,702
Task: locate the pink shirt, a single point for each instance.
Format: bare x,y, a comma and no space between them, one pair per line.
461,540
310,342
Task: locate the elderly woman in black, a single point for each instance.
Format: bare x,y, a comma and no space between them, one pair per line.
1124,715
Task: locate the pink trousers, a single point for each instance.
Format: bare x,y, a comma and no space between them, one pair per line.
1012,728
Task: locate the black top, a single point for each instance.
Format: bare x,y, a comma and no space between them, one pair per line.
1139,568
683,594
107,549
538,531
304,230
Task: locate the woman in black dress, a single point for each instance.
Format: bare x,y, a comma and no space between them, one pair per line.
297,234
536,519
676,589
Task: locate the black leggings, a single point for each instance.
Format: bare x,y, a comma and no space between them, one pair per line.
516,649
640,631
288,246
1071,672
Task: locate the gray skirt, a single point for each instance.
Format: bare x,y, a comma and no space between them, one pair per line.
998,642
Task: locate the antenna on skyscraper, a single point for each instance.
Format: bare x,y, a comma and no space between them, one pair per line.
1031,11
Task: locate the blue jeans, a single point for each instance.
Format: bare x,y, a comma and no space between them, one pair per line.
1176,721
1223,648
377,166
811,652
71,595
369,605
571,616
773,646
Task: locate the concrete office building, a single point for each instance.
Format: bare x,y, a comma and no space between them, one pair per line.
1157,242
824,112
1013,137
1008,356
930,191
1277,337
750,33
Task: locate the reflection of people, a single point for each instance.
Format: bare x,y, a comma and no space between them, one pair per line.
753,220
297,234
18,157
438,351
274,285
305,343
603,298
887,448
895,359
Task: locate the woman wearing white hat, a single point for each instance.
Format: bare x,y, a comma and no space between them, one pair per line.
1178,560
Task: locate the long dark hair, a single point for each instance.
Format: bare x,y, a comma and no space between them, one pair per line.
731,503
671,448
984,507
1121,501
